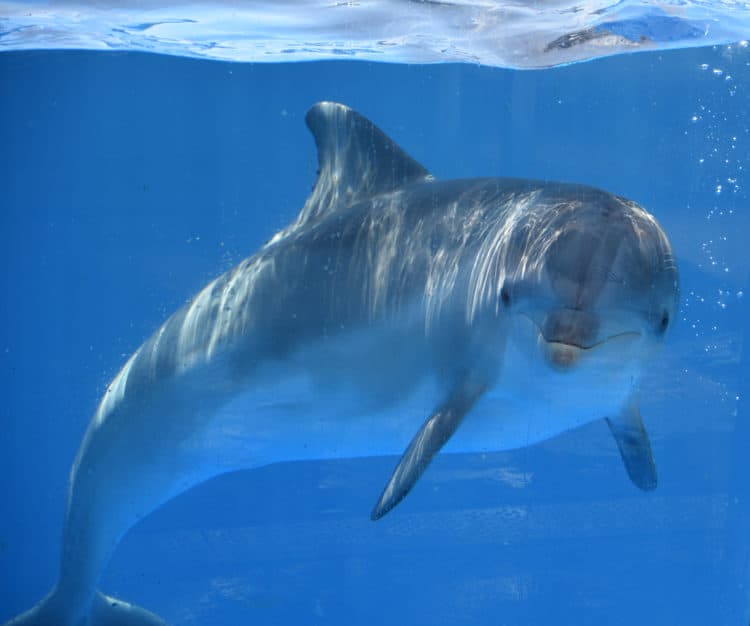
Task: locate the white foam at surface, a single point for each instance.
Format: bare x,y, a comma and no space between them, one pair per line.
505,33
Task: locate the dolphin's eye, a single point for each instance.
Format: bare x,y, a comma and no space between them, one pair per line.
505,296
664,322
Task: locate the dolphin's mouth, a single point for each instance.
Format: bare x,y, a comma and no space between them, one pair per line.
628,334
564,345
564,355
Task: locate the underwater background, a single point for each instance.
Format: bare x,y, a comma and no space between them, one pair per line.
129,180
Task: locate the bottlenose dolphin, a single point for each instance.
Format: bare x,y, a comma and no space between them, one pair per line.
503,311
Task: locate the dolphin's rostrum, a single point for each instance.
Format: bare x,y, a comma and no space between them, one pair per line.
502,311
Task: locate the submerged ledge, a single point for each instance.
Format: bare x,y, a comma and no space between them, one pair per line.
511,33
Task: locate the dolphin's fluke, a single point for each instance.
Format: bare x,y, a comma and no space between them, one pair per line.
104,611
635,447
108,611
432,436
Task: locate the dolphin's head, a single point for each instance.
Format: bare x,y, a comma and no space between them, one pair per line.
595,274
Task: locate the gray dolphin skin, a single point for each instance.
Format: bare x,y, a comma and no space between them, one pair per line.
397,312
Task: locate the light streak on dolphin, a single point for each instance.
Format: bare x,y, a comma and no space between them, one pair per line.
501,311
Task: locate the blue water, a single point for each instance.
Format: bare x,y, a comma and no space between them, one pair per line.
127,181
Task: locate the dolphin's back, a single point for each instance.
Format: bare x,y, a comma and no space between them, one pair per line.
378,238
411,251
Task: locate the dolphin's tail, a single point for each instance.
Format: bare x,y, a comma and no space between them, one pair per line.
109,611
105,611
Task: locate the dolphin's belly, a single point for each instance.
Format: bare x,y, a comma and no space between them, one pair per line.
345,407
504,421
295,419
532,402
356,394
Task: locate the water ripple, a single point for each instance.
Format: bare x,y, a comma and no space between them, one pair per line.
504,33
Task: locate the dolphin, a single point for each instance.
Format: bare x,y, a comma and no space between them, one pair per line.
397,312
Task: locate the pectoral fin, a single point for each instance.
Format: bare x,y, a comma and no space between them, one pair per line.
432,436
635,448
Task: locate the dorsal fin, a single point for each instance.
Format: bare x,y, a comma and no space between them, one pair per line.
356,161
